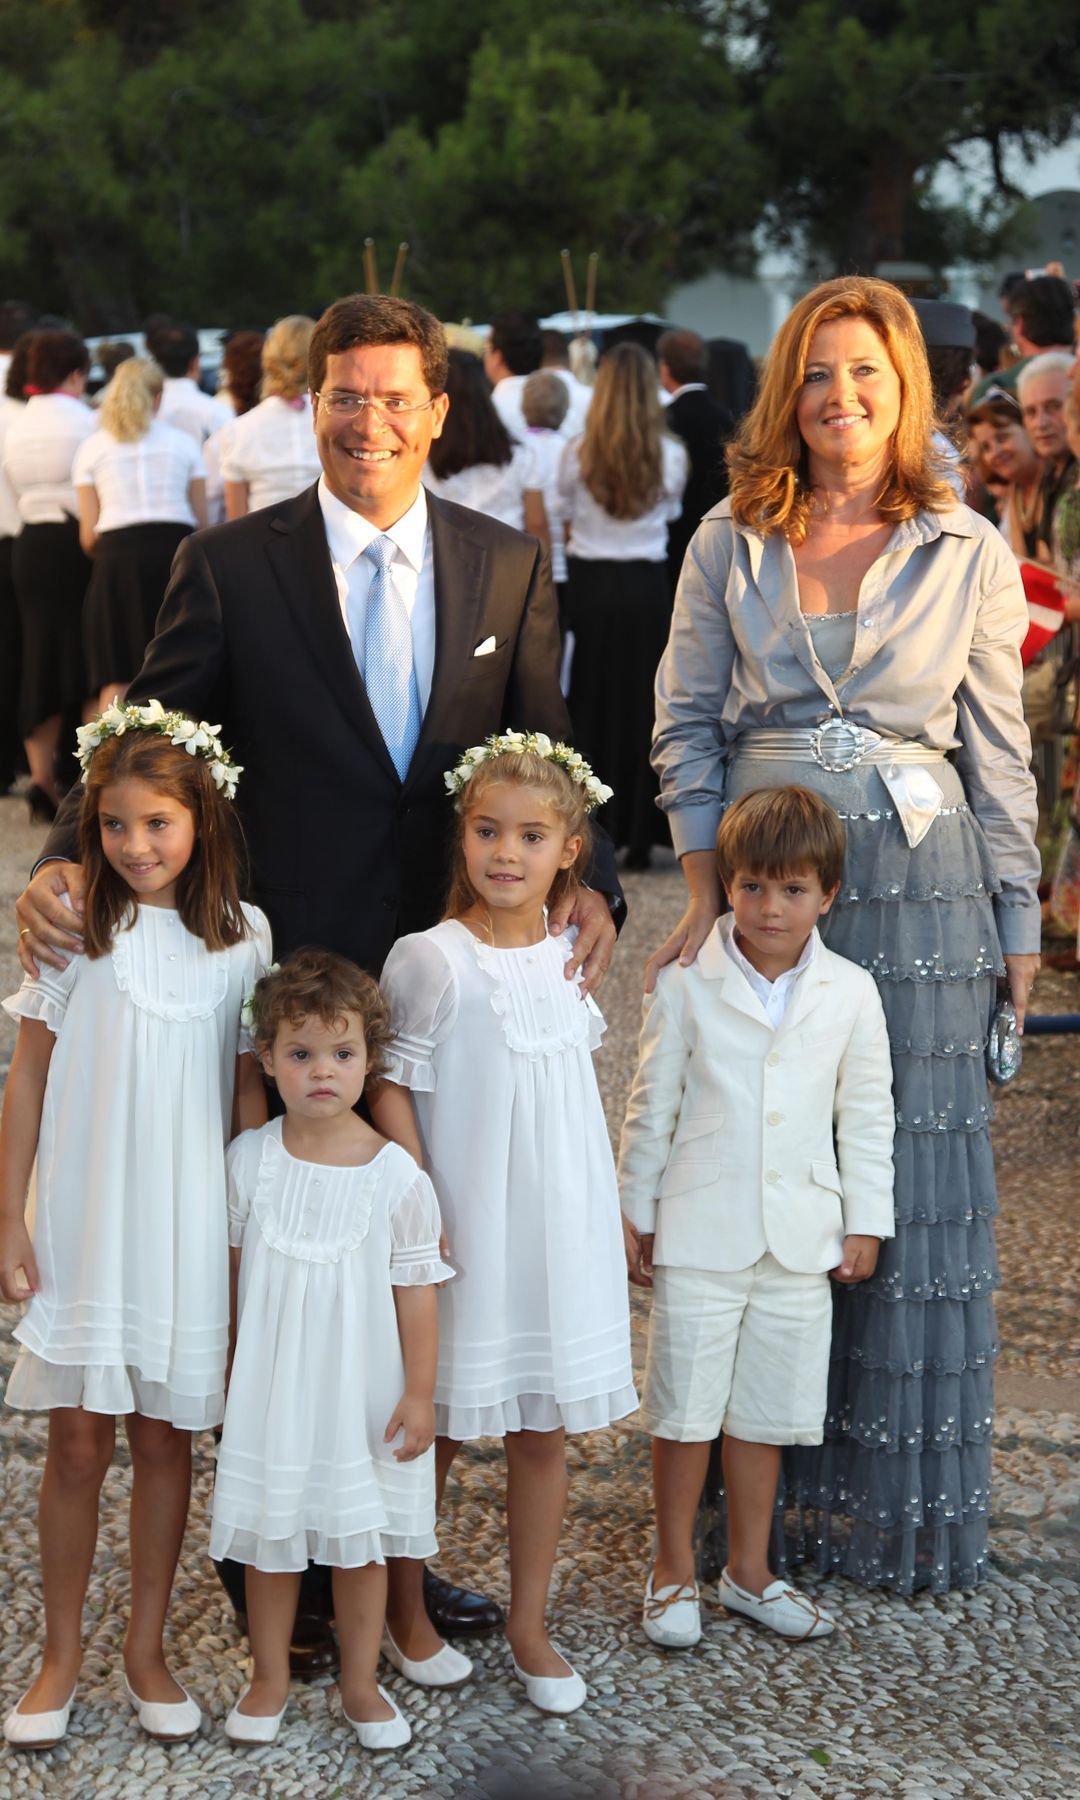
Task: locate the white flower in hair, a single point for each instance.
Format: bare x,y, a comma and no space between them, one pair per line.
537,743
199,739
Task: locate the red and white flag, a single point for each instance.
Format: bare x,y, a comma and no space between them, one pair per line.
1046,609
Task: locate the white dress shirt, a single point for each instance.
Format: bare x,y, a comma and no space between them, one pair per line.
595,536
212,451
775,996
497,489
547,448
10,517
580,398
688,387
273,449
506,399
140,483
185,406
39,450
412,570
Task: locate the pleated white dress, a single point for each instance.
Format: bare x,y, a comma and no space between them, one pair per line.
303,1473
496,1048
129,1222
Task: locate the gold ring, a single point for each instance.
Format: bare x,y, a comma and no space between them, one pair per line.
25,932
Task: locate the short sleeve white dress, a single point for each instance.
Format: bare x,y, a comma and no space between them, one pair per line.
303,1473
496,1048
128,1194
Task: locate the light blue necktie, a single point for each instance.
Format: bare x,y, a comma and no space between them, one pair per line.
389,675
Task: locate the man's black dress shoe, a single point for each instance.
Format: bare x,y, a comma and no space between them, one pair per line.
313,1648
457,1611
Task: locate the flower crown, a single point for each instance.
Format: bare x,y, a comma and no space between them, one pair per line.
531,743
197,739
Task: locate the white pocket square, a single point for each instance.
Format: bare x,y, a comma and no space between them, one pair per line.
485,648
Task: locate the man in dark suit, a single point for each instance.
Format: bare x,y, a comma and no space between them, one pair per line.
352,643
693,415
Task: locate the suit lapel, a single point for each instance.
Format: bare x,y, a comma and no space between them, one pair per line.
300,558
459,562
810,989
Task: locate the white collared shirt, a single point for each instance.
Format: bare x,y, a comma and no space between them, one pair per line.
506,399
348,534
39,450
185,406
141,483
273,449
497,489
596,536
10,518
775,996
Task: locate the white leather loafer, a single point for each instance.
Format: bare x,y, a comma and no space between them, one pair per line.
170,1722
446,1669
37,1731
252,1728
554,1693
780,1608
381,1734
671,1616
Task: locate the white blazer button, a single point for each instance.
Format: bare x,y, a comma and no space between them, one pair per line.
773,1118
773,1175
772,1059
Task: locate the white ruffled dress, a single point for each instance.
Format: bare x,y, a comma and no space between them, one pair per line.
303,1472
129,1223
495,1046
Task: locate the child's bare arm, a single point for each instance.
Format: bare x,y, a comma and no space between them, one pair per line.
392,1114
20,1127
418,1328
249,1109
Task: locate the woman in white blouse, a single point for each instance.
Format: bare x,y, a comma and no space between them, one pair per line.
476,462
48,568
141,489
842,623
621,484
270,454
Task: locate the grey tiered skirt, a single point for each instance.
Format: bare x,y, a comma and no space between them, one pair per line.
898,1495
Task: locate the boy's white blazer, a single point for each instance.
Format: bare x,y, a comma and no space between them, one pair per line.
740,1139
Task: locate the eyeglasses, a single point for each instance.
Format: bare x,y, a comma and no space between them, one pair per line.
350,406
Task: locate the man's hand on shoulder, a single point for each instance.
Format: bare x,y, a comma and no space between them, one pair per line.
50,930
595,942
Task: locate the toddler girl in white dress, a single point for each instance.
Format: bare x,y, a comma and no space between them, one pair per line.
326,1451
494,1043
125,1085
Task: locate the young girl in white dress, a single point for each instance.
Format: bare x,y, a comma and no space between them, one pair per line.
124,1087
494,1043
326,1450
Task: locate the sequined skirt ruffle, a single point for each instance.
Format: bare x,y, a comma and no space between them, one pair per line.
898,1494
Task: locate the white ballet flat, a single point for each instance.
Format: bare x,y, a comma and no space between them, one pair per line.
780,1608
554,1693
252,1728
381,1734
446,1669
169,1722
37,1731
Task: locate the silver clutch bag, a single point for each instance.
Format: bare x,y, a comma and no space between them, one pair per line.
1004,1047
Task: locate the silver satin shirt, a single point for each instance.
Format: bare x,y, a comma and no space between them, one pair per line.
941,619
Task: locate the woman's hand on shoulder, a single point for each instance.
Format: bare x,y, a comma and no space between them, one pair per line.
19,1279
415,1417
49,928
1021,973
685,941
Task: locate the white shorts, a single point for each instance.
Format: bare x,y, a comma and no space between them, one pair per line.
747,1350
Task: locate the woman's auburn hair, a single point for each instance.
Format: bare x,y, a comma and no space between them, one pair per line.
621,454
767,459
565,797
127,410
208,890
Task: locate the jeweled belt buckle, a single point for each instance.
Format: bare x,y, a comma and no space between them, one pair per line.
838,746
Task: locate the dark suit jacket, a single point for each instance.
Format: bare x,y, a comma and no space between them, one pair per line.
250,635
704,428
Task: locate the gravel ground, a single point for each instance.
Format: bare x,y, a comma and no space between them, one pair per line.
929,1699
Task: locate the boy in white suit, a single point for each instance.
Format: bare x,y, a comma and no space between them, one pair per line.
756,1160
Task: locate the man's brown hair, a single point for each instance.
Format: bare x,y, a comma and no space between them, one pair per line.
319,984
377,319
778,832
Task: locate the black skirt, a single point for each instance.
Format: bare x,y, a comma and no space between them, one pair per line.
50,576
131,573
620,614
